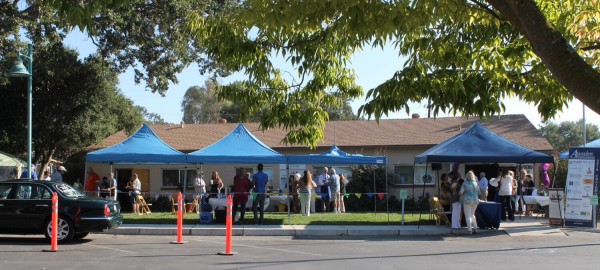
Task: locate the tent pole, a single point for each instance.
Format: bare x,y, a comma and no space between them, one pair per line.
413,194
422,196
287,194
387,195
184,183
374,193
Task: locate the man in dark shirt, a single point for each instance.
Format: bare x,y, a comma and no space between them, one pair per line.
241,188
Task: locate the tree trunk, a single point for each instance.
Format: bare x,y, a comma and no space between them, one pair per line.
563,61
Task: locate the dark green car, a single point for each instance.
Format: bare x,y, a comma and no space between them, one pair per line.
26,208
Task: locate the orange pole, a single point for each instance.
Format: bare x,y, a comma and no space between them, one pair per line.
179,220
54,241
228,222
54,224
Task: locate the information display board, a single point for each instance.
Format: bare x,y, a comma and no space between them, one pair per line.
581,187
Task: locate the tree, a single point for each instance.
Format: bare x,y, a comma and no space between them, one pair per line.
75,104
150,117
464,63
150,37
568,134
463,55
200,105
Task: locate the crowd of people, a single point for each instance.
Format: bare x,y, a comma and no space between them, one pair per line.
463,195
329,185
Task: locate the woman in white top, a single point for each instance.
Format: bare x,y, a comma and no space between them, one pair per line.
200,185
507,184
137,187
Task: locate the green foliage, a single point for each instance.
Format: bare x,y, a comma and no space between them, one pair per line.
150,117
75,104
200,105
150,37
465,63
568,134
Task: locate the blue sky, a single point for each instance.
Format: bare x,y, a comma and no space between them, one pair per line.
372,66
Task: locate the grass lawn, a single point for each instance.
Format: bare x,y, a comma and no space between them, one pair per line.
276,218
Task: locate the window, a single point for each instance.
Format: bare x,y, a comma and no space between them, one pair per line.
408,175
420,172
404,175
174,178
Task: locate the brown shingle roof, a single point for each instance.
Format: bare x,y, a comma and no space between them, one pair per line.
389,132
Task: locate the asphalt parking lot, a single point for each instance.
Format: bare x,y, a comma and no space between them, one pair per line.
575,250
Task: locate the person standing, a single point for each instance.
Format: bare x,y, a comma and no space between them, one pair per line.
259,182
343,184
200,185
34,175
77,185
112,186
241,188
323,184
456,205
137,190
57,176
293,186
335,190
104,188
306,185
216,185
92,182
483,186
469,196
45,176
506,186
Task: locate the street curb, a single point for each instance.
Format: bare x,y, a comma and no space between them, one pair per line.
286,230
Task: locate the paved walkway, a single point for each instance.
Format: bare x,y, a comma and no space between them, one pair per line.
524,226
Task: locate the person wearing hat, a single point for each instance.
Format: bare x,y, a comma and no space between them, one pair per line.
33,174
58,175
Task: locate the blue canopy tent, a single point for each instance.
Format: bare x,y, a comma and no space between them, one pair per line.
239,146
592,144
478,144
336,156
143,147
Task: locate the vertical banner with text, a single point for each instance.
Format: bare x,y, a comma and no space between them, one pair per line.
581,187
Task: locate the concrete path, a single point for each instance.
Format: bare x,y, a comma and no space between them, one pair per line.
524,226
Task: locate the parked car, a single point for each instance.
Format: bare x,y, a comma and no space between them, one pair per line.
26,208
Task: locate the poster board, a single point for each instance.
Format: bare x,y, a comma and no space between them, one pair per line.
581,187
284,176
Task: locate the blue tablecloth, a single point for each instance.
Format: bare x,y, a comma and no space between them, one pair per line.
488,215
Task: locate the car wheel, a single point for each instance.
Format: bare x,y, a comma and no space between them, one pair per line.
81,235
66,230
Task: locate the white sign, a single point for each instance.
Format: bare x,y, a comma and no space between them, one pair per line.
579,190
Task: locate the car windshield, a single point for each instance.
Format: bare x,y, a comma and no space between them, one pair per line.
68,191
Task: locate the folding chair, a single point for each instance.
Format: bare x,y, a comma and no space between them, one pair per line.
194,206
440,215
144,207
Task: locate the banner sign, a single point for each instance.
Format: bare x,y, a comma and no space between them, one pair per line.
581,187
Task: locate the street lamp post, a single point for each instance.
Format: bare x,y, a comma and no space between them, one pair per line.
20,71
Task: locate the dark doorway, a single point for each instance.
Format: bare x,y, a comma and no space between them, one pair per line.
123,176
